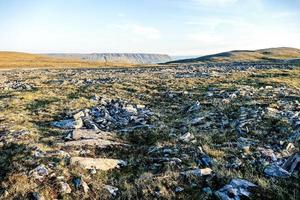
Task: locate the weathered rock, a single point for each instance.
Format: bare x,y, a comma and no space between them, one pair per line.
39,172
274,170
109,115
65,188
111,189
236,189
196,121
85,186
295,136
206,160
179,189
197,172
187,137
80,134
193,108
68,124
97,163
101,143
267,153
207,190
292,164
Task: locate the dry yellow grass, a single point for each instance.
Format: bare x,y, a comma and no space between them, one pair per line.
15,60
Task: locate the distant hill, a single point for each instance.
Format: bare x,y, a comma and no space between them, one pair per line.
10,60
271,54
136,58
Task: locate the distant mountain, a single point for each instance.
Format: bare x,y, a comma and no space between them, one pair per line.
183,57
271,54
136,58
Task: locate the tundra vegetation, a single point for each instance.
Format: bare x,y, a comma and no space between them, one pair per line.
221,131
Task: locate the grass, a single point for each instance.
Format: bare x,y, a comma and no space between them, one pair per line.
261,55
16,60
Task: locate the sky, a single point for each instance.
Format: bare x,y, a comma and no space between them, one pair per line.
174,27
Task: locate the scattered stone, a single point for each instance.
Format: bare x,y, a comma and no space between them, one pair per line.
235,190
187,137
111,189
267,153
193,108
274,170
196,121
292,164
197,172
178,189
65,188
207,190
17,85
109,115
206,160
93,171
295,137
101,143
97,163
85,186
39,172
68,124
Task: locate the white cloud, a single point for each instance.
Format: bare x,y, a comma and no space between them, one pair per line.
214,2
145,32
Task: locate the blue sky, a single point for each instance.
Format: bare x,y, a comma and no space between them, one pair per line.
176,27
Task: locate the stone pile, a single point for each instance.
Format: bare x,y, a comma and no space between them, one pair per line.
17,85
108,116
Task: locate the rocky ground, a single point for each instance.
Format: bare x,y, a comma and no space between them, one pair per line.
188,132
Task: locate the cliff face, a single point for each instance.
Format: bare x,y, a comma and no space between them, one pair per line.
118,57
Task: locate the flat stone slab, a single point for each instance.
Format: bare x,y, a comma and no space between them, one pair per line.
102,143
80,134
97,163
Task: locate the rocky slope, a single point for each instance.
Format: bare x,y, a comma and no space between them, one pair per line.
118,57
271,54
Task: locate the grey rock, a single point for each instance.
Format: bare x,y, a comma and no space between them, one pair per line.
68,124
206,160
111,189
187,137
274,170
65,188
197,120
292,164
295,136
197,172
207,190
178,189
195,107
39,172
236,189
104,164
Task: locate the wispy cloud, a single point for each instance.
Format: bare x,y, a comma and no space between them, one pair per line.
147,32
214,2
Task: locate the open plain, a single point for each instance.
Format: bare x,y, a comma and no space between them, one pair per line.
206,131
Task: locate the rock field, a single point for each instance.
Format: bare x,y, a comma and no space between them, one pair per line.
207,131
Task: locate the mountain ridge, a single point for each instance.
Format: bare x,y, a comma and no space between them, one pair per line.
268,54
137,58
